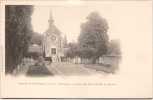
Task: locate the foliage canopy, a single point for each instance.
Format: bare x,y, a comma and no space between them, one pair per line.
17,34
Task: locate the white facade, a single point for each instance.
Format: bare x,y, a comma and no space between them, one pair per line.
53,42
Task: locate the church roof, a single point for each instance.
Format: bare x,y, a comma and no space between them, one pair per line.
52,28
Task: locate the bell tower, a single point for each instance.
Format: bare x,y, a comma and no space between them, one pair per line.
53,40
50,21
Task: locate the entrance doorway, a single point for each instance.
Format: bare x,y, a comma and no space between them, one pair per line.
53,51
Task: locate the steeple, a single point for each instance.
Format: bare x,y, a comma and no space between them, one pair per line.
50,18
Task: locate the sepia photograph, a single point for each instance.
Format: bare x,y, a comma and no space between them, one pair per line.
76,49
39,41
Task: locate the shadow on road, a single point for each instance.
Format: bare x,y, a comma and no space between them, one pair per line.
38,71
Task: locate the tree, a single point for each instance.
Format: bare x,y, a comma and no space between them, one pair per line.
114,48
93,39
36,38
17,34
72,50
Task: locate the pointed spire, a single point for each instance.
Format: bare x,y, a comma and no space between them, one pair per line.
50,18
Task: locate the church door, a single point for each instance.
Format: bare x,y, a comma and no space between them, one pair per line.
54,52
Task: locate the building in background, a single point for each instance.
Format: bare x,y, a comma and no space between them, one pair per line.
53,42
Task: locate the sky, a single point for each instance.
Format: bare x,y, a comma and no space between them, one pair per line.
68,18
121,16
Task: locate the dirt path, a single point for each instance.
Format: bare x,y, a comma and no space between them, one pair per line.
68,69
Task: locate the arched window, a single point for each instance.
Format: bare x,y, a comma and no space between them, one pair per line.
53,38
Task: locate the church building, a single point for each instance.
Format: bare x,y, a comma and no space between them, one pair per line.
53,42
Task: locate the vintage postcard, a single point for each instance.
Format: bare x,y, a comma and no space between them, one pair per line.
76,49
